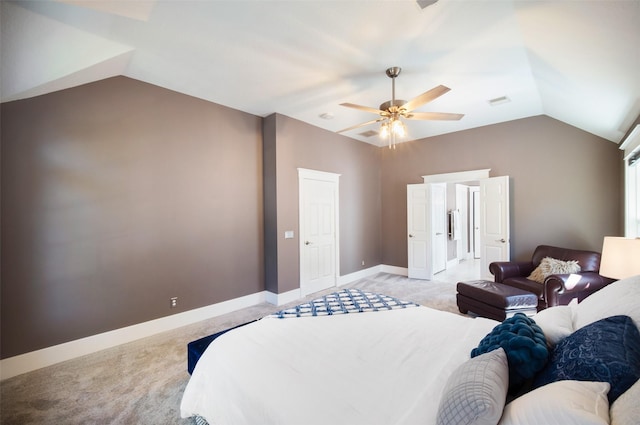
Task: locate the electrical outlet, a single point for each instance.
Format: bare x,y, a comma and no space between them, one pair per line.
363,262
173,302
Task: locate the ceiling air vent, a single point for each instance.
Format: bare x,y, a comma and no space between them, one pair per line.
499,101
425,3
369,133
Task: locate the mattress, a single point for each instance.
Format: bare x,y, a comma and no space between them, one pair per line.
380,367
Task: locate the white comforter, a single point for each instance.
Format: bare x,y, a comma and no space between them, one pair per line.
386,367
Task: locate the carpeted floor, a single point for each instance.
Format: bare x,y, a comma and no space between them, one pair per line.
142,382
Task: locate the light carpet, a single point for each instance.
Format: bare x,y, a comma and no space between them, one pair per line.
142,382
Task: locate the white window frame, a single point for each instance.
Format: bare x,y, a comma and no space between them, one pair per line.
631,147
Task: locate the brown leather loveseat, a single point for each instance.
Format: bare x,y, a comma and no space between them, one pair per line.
557,289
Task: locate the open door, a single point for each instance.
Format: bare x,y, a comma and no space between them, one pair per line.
426,226
439,226
475,222
494,221
418,240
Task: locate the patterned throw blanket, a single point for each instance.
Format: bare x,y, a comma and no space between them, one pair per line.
343,302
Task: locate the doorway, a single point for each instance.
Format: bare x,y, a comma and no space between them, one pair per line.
489,237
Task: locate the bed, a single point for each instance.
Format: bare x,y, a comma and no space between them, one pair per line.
409,364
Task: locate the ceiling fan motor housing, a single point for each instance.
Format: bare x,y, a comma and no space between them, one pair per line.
388,104
393,72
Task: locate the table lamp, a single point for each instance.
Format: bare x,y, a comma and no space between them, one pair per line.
620,257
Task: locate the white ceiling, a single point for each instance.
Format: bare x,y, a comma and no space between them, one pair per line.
576,61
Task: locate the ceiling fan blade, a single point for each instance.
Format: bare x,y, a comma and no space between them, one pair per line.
360,125
425,97
435,116
363,108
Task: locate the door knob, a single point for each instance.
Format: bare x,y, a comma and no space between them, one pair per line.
410,235
307,243
500,240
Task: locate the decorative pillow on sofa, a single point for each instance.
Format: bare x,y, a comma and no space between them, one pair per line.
549,266
606,351
476,391
524,343
560,403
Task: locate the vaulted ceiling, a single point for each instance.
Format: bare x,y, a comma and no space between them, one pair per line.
576,61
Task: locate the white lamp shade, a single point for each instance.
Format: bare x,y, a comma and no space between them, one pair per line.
620,257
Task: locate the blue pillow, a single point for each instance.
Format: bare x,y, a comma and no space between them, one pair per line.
606,351
524,343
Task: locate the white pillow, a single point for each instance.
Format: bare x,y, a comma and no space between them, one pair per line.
560,403
626,410
556,323
618,298
476,391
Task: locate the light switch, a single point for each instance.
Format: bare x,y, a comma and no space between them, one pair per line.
288,234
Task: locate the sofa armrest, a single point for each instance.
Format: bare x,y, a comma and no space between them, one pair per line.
502,270
561,289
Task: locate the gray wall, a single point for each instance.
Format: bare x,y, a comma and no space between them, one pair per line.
116,196
294,145
565,184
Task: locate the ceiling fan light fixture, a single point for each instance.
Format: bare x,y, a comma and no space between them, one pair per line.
384,130
398,128
393,128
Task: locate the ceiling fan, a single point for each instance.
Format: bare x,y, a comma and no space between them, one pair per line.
391,111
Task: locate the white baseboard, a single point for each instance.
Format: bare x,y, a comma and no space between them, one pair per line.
401,271
360,274
296,294
33,360
284,298
48,356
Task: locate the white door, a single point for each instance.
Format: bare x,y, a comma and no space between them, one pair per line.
463,246
494,221
427,229
475,222
318,231
439,227
418,240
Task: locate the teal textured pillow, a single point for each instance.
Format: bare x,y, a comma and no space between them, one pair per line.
524,343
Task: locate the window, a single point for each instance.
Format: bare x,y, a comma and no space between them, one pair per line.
631,146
